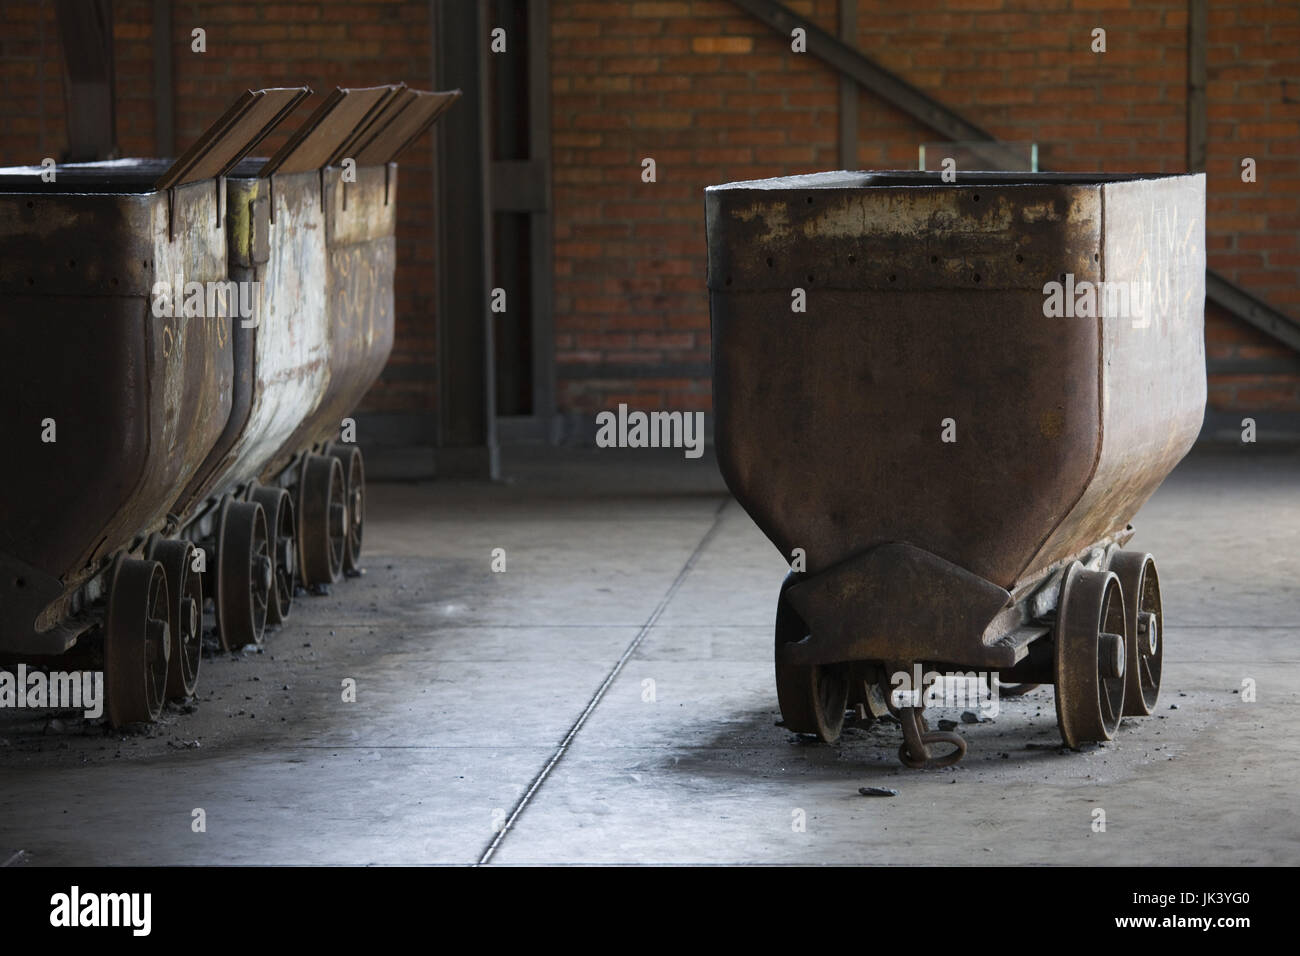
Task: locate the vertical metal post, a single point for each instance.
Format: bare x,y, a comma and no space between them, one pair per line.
848,33
86,29
467,439
1197,123
164,103
542,245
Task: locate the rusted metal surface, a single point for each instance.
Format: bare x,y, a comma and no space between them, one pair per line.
176,411
136,400
917,311
358,301
292,335
925,302
1090,653
897,601
283,361
1152,370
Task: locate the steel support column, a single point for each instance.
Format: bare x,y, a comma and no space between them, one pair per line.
164,100
848,90
467,439
86,29
1198,16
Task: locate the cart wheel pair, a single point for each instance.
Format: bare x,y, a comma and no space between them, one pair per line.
257,564
1109,647
153,631
1108,652
813,698
245,571
332,510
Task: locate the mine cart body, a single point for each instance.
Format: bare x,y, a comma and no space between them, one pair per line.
358,257
135,401
161,458
282,349
938,446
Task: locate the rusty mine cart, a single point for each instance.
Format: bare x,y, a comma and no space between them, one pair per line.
179,430
957,457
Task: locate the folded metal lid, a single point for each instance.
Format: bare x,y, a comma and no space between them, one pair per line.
398,124
229,139
320,141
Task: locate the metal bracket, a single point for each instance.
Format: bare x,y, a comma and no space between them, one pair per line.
325,204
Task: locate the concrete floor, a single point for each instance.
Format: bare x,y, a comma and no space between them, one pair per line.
479,693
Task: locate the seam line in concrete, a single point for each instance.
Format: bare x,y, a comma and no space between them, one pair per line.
596,698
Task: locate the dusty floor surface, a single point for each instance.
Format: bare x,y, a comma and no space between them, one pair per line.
637,606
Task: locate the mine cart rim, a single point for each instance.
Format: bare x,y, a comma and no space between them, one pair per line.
186,623
242,588
282,544
349,457
322,500
136,643
1141,583
1089,705
812,698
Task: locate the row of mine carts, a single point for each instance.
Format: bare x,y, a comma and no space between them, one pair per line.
181,344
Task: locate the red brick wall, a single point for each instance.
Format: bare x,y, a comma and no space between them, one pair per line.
715,96
1254,111
31,83
711,96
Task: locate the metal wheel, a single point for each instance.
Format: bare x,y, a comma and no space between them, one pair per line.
136,643
282,530
245,576
1145,622
184,614
812,698
322,519
1090,656
354,472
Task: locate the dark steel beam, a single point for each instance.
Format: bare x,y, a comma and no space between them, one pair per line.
519,185
467,440
848,90
929,112
1261,366
875,79
542,247
616,371
86,29
164,100
1252,310
1198,17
